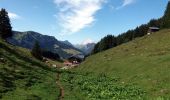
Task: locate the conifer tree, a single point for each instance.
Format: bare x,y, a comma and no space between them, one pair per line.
166,17
36,51
5,26
96,48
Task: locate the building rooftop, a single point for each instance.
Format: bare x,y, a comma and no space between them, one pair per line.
78,56
156,28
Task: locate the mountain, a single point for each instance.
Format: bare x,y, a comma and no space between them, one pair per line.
22,77
67,43
132,71
50,43
87,48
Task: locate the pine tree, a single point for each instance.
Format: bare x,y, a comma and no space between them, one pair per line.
166,17
5,26
36,51
114,41
96,48
105,43
154,23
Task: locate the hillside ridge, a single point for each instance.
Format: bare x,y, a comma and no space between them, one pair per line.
49,43
22,77
140,65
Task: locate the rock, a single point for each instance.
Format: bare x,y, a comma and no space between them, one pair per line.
54,65
17,71
133,54
148,33
109,59
2,60
45,60
64,68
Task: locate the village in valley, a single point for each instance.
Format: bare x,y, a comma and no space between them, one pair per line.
69,63
73,61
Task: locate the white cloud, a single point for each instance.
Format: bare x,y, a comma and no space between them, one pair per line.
126,3
87,41
75,15
13,16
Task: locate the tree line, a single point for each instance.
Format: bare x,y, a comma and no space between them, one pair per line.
111,41
39,53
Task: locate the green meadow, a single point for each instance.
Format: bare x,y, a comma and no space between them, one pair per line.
24,78
135,70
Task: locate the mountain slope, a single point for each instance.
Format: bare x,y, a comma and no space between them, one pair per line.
134,70
27,40
67,43
87,48
144,61
24,78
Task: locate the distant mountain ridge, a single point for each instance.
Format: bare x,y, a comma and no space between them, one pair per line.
50,43
67,43
87,48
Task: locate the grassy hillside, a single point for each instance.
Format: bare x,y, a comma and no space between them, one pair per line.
136,70
24,78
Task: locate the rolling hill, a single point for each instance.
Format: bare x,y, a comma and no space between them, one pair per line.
135,70
24,78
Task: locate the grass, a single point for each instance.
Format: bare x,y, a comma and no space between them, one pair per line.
138,70
143,63
71,51
86,86
24,78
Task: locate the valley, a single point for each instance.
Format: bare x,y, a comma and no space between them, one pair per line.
76,63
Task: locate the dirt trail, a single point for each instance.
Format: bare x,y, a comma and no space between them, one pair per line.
61,96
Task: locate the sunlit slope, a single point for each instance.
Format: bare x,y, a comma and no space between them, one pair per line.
144,61
24,78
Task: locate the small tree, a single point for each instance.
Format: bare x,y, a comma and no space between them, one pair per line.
36,51
5,26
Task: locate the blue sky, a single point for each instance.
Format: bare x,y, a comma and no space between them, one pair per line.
81,21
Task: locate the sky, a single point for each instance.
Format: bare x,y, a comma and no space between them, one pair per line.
81,21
